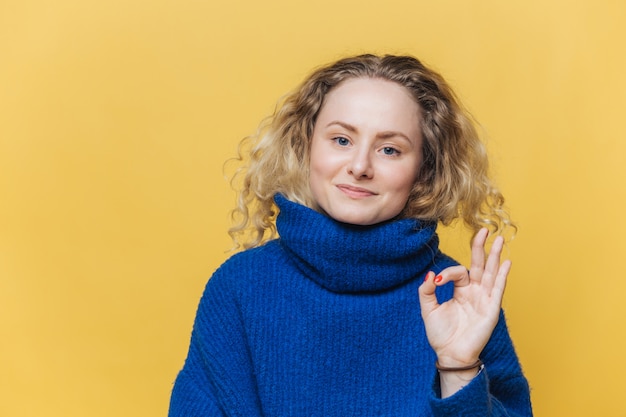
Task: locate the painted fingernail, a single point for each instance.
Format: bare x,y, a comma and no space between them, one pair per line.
438,278
427,276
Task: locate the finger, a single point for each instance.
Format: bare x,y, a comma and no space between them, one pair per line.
478,255
500,282
427,297
493,263
457,274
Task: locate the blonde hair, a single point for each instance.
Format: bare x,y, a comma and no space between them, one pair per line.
453,180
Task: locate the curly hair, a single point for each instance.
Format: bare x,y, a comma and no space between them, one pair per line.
453,180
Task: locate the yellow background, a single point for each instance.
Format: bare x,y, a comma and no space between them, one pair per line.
116,118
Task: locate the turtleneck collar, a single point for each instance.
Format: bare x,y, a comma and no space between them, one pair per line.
346,258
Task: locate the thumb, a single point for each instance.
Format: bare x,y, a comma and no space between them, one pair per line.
427,297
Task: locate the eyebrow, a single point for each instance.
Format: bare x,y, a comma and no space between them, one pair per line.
381,135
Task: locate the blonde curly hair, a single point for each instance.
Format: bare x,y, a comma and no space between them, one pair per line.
453,180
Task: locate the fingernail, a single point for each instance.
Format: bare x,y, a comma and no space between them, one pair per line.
427,276
438,278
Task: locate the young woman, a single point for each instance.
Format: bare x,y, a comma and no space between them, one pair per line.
353,310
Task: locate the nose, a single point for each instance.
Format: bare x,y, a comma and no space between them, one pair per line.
360,166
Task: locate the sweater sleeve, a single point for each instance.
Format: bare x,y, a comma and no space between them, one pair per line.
217,378
500,390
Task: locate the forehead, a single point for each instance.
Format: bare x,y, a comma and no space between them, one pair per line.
362,85
371,102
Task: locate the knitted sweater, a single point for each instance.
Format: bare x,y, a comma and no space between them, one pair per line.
325,321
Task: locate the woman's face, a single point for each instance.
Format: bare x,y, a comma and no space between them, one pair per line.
366,151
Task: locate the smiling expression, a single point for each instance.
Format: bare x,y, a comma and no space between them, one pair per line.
366,151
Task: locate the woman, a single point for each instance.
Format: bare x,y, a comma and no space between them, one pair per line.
353,310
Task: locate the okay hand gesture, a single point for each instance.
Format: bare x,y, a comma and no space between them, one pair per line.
459,328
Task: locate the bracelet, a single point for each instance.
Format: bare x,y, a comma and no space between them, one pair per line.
476,364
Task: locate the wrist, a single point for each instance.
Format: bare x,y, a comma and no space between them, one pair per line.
458,367
457,361
451,382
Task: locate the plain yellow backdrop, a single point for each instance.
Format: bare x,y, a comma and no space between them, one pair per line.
116,118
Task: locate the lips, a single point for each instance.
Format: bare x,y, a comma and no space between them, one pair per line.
355,192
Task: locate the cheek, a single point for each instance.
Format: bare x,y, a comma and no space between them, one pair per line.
323,164
402,183
316,171
314,167
314,179
405,178
315,154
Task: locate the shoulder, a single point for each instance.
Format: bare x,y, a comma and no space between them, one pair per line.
243,268
267,254
237,278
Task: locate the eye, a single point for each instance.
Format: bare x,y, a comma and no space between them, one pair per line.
341,141
389,151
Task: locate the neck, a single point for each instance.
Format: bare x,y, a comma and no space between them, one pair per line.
348,258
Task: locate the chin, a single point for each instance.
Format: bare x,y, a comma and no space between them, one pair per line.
350,218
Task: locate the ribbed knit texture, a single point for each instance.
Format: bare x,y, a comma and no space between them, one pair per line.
325,321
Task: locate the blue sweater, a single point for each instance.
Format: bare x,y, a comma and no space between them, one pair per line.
325,321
